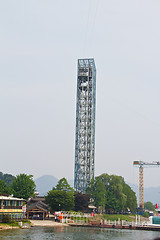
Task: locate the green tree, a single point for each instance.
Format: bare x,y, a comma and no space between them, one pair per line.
116,199
98,193
60,200
112,192
61,197
64,185
81,201
149,206
131,202
23,186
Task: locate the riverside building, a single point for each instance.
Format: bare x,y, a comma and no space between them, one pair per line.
11,206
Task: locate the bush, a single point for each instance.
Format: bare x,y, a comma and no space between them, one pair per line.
6,218
146,214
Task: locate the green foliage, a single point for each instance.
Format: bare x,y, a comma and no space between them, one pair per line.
131,202
3,187
149,206
60,200
63,185
112,192
7,178
61,197
146,214
81,201
6,218
23,186
97,192
116,199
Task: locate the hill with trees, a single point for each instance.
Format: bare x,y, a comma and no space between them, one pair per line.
7,178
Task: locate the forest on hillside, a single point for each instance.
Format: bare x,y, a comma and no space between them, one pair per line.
7,178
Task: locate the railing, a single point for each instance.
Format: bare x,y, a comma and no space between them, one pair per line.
76,218
88,219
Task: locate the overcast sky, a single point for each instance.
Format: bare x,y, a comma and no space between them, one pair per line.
40,42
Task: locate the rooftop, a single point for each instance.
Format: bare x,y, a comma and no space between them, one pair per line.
11,198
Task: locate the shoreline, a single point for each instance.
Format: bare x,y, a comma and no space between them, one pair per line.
49,223
7,227
34,223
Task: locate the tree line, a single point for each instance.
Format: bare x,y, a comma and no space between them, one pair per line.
106,192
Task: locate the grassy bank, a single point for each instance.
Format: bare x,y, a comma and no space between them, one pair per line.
113,217
14,225
7,226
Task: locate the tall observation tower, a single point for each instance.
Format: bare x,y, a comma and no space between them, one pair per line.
85,124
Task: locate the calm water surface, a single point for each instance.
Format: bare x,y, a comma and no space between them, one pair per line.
74,233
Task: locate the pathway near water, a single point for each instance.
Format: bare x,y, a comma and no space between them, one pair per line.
47,223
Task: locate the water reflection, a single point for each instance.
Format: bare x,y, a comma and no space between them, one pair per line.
77,233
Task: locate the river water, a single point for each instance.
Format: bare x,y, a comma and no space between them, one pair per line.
76,233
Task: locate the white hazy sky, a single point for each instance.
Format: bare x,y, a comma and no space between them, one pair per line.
40,42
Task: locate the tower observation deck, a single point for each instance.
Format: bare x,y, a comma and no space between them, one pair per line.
85,124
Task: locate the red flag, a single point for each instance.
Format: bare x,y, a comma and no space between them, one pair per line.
156,206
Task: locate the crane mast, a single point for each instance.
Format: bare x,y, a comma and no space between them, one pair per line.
141,165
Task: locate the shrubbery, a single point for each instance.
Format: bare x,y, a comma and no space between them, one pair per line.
146,214
6,218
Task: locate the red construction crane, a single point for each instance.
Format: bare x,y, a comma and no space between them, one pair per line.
141,164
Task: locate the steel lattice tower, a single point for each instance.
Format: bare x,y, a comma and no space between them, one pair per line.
85,124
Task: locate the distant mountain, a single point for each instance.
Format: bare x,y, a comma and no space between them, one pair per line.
151,194
45,183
